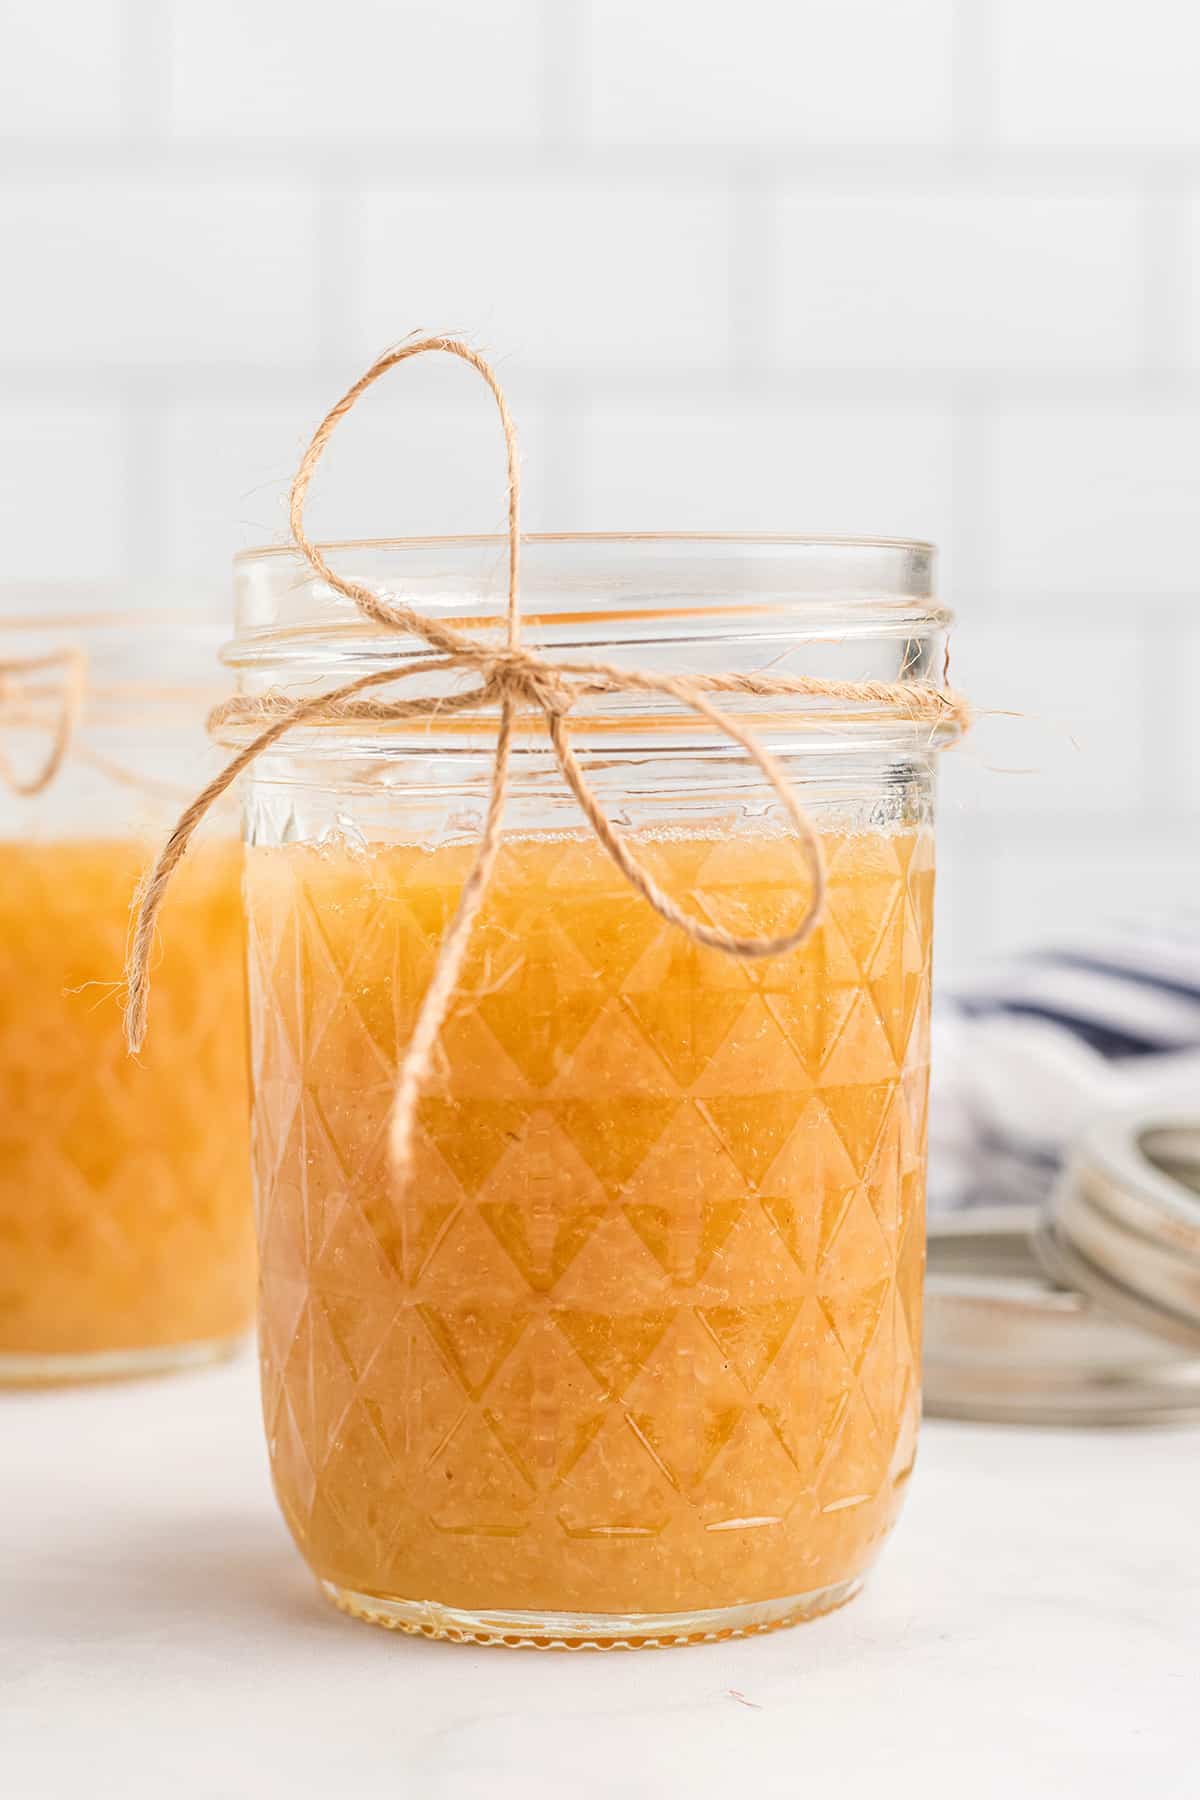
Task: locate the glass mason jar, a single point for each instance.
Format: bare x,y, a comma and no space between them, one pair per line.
633,1356
126,1228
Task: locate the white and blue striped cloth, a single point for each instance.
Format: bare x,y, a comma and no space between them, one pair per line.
1029,1053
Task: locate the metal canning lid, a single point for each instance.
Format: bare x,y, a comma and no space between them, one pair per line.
1124,1224
1005,1342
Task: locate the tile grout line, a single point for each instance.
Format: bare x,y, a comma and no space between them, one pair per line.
337,253
564,406
1166,275
490,161
145,71
973,874
564,95
751,223
967,506
143,425
997,392
970,85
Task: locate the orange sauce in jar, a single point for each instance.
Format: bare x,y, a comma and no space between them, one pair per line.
125,1213
641,1336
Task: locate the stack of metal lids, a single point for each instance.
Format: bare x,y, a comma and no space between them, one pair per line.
1086,1312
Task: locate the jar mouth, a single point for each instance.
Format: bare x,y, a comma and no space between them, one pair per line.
587,590
417,541
157,649
140,626
684,604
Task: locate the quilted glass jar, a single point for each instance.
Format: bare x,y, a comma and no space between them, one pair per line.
633,1357
126,1228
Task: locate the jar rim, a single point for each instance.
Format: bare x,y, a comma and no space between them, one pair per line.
782,539
589,589
164,618
685,604
155,651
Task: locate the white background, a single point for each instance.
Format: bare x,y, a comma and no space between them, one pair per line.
1029,1634
924,267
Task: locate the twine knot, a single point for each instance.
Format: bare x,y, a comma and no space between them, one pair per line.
510,679
523,675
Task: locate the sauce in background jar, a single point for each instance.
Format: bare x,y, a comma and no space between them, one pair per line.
126,1232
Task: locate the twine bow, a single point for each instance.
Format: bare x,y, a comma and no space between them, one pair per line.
515,680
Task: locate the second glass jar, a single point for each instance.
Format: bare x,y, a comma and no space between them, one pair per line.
126,1233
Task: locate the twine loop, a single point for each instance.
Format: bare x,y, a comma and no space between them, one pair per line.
18,702
509,680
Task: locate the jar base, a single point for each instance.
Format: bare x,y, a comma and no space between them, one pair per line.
36,1369
589,1631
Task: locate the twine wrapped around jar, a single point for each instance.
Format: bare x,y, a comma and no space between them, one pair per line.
515,680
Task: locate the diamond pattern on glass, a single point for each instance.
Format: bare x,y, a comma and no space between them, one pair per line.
644,1331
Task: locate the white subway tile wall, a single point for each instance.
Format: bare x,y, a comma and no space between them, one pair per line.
570,269
1099,501
1093,72
841,71
419,456
62,67
754,463
846,265
449,70
138,269
62,490
957,275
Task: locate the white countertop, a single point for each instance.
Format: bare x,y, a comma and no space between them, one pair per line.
1033,1629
